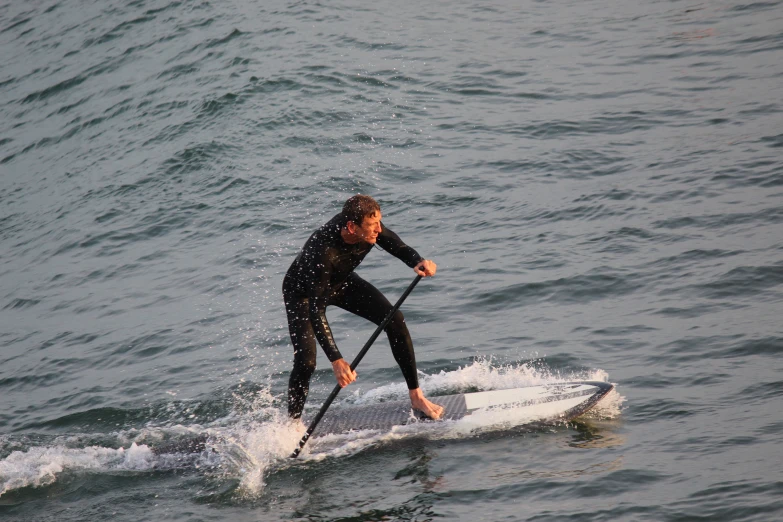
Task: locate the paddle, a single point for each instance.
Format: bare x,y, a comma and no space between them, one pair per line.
354,364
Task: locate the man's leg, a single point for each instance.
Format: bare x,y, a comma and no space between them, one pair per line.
303,339
363,299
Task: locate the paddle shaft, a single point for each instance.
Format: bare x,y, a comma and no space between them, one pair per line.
354,364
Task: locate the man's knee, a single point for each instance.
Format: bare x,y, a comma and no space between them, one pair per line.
397,323
304,366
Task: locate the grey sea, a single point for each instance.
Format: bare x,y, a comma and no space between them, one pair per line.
600,184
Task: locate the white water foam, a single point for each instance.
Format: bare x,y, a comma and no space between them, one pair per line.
257,438
610,407
40,466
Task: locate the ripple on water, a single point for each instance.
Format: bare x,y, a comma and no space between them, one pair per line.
771,215
743,281
765,346
600,284
730,500
651,410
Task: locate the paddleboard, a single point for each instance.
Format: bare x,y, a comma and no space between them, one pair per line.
542,403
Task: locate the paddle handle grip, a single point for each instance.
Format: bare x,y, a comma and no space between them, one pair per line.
354,364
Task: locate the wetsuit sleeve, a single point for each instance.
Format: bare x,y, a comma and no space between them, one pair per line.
391,242
318,288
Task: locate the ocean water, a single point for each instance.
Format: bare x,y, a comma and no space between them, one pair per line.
600,183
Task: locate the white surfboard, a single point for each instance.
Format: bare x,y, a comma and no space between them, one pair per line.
534,404
542,403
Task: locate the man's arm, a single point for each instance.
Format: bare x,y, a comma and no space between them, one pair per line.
392,243
318,289
318,268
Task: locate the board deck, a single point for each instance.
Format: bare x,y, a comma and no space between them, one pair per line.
547,402
543,403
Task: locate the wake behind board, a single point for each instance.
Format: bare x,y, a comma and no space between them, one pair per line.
542,403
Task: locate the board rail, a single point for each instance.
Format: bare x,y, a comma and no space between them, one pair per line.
386,415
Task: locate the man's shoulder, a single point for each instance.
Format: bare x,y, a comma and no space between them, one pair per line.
329,231
325,237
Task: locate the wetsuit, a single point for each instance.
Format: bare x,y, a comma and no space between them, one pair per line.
322,275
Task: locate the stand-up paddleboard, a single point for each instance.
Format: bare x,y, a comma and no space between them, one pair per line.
542,403
536,404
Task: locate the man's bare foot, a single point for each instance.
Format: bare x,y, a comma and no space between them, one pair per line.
418,402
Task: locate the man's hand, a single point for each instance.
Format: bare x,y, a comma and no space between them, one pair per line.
425,268
342,370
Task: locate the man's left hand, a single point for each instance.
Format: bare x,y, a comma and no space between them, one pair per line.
426,268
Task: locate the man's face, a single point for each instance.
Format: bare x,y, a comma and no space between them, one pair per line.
369,229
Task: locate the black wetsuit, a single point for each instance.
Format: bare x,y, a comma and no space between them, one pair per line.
322,275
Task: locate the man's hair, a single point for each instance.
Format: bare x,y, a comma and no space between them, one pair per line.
359,207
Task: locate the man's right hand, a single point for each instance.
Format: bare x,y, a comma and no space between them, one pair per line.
342,370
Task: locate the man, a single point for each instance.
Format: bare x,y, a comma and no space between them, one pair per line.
322,275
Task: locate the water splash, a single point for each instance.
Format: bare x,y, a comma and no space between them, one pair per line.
40,466
256,438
